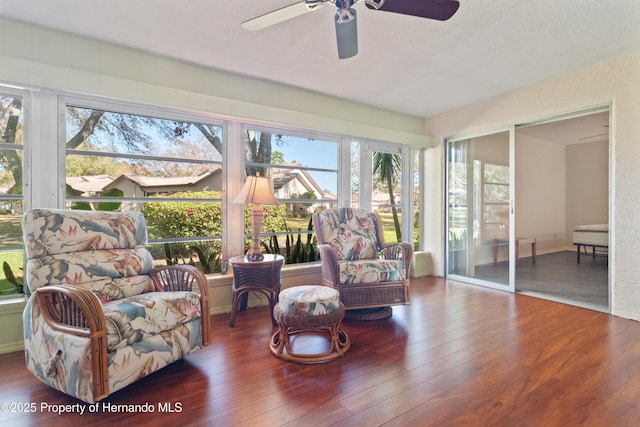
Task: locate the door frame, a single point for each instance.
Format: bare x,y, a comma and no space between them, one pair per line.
468,279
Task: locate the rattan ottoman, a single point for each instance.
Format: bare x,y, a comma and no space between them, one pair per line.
312,310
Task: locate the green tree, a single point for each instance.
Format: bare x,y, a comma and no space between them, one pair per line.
257,150
92,165
387,167
277,157
122,132
11,161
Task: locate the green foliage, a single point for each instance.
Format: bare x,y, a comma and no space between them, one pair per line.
110,206
457,239
201,219
187,219
12,279
277,157
208,256
100,206
168,255
295,250
273,218
82,206
81,165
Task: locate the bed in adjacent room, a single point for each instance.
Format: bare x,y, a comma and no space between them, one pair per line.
594,236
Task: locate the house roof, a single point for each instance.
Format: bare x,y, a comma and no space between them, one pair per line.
406,64
280,176
89,184
148,182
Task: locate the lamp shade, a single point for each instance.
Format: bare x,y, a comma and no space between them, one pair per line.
256,191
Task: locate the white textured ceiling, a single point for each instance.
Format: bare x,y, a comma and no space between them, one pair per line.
406,64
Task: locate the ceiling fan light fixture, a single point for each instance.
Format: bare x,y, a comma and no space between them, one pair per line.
347,34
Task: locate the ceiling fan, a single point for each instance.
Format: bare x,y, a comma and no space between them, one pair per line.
345,17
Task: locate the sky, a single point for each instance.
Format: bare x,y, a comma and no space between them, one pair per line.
319,154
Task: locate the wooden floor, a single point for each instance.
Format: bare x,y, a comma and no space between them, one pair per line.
459,355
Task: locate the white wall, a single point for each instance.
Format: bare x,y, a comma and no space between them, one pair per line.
587,185
540,192
615,82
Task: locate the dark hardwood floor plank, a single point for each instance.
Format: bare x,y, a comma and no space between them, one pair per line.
458,355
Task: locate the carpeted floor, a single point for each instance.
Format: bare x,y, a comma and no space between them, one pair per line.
559,277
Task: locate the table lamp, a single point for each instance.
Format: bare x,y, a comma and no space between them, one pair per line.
256,192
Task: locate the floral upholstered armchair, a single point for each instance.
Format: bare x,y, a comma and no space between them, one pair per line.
99,316
358,263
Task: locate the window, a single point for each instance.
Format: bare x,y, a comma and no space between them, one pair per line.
168,168
384,176
11,173
303,170
387,193
495,197
179,170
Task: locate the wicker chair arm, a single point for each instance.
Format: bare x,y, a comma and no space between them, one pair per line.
77,311
398,251
182,278
72,310
329,266
179,278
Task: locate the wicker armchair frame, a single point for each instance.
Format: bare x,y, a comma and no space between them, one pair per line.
366,295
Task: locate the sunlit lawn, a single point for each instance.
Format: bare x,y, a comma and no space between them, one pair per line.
388,228
10,235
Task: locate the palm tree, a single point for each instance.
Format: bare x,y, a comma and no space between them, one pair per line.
387,166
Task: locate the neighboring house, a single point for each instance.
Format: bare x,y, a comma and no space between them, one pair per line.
141,186
379,201
382,201
290,182
89,185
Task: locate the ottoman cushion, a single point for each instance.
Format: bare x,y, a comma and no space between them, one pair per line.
309,300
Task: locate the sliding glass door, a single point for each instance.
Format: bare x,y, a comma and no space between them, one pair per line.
479,209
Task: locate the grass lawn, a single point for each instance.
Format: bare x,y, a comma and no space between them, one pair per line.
10,235
14,259
10,230
388,228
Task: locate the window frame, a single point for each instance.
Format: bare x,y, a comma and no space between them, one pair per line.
17,92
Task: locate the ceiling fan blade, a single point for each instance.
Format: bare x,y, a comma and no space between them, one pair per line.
347,35
278,16
440,10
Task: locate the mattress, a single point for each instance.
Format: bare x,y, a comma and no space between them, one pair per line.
591,235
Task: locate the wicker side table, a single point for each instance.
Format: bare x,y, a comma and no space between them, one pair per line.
259,276
313,310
